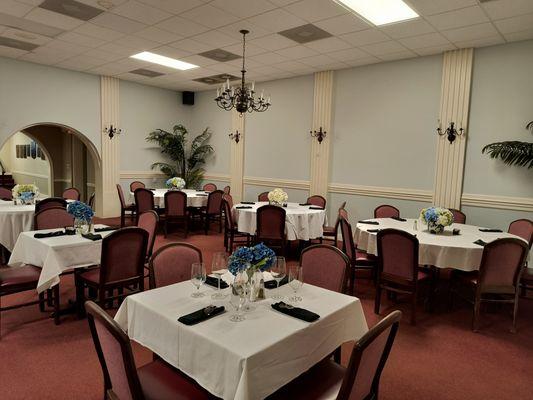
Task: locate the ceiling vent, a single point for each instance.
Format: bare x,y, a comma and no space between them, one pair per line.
146,72
17,44
305,33
71,8
216,79
219,55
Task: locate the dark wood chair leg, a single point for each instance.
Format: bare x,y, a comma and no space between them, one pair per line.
41,302
515,312
122,218
49,298
80,298
56,304
413,309
475,316
337,355
377,302
165,227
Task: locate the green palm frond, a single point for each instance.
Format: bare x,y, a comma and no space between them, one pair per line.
511,152
165,168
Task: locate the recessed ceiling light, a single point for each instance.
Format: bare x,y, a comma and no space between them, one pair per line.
162,60
381,12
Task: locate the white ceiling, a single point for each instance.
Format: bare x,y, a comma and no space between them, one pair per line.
183,28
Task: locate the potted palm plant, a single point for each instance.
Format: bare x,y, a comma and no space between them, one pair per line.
512,152
184,161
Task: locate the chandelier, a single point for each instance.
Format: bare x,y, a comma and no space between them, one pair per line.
242,97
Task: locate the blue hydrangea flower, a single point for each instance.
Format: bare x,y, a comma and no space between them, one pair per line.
258,257
81,211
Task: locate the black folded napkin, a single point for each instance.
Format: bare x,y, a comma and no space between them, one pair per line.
373,230
368,222
202,195
243,207
107,228
247,202
305,204
273,285
295,312
49,234
150,189
213,281
399,219
456,232
490,230
480,242
201,315
316,208
92,236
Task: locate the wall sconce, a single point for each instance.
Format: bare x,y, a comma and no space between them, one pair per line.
235,136
320,135
451,132
112,131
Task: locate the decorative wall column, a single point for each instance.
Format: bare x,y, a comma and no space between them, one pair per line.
238,123
323,93
108,204
454,107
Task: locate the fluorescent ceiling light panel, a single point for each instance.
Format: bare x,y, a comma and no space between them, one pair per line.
381,12
162,60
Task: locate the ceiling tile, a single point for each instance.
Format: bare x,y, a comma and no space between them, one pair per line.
498,9
362,61
99,32
182,26
198,60
368,36
345,23
515,24
137,43
251,49
118,23
14,8
348,54
30,37
158,35
516,36
426,51
277,20
173,6
427,40
103,55
430,7
172,52
53,19
491,41
316,61
234,30
244,8
106,70
273,42
118,49
269,58
458,18
190,45
291,66
141,12
401,55
209,16
327,45
296,52
407,29
81,63
11,52
78,38
315,10
473,32
388,47
215,39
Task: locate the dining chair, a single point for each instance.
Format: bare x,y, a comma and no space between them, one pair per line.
213,210
523,228
359,260
227,189
386,211
122,379
124,207
360,380
144,201
50,202
317,201
6,194
136,185
262,196
71,194
176,210
17,280
232,236
330,233
398,269
52,218
497,280
172,264
459,217
121,267
325,266
270,227
148,221
209,187
90,203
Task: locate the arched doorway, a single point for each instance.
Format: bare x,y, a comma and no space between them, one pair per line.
72,158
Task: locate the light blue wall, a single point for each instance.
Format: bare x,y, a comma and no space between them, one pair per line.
295,195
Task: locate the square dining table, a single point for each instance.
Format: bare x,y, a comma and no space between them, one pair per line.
245,360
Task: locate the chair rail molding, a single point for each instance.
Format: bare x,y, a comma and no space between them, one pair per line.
385,192
276,182
107,203
454,107
238,124
320,151
159,175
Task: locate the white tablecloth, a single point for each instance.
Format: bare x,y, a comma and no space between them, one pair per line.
194,198
14,219
443,250
55,255
246,360
301,223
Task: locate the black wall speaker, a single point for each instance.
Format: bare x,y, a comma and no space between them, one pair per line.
188,98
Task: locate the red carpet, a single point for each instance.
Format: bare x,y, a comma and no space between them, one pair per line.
440,358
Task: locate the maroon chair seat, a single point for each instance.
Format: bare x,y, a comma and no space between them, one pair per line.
50,202
386,211
522,228
71,194
359,381
209,187
124,207
172,264
176,210
271,227
136,185
325,266
5,193
364,258
52,218
262,196
459,217
144,201
148,221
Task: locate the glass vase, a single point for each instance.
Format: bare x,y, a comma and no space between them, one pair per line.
82,226
435,228
256,286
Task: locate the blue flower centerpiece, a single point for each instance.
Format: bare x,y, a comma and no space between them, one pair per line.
175,183
436,218
83,216
251,259
25,194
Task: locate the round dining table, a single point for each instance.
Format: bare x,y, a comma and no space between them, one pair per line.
301,222
14,219
195,198
444,250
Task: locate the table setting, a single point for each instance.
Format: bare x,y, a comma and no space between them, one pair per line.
235,351
195,198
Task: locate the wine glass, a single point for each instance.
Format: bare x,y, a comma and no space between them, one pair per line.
219,267
278,270
295,282
238,297
197,277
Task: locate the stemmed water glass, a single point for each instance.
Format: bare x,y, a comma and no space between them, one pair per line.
295,282
197,277
219,267
278,270
238,298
